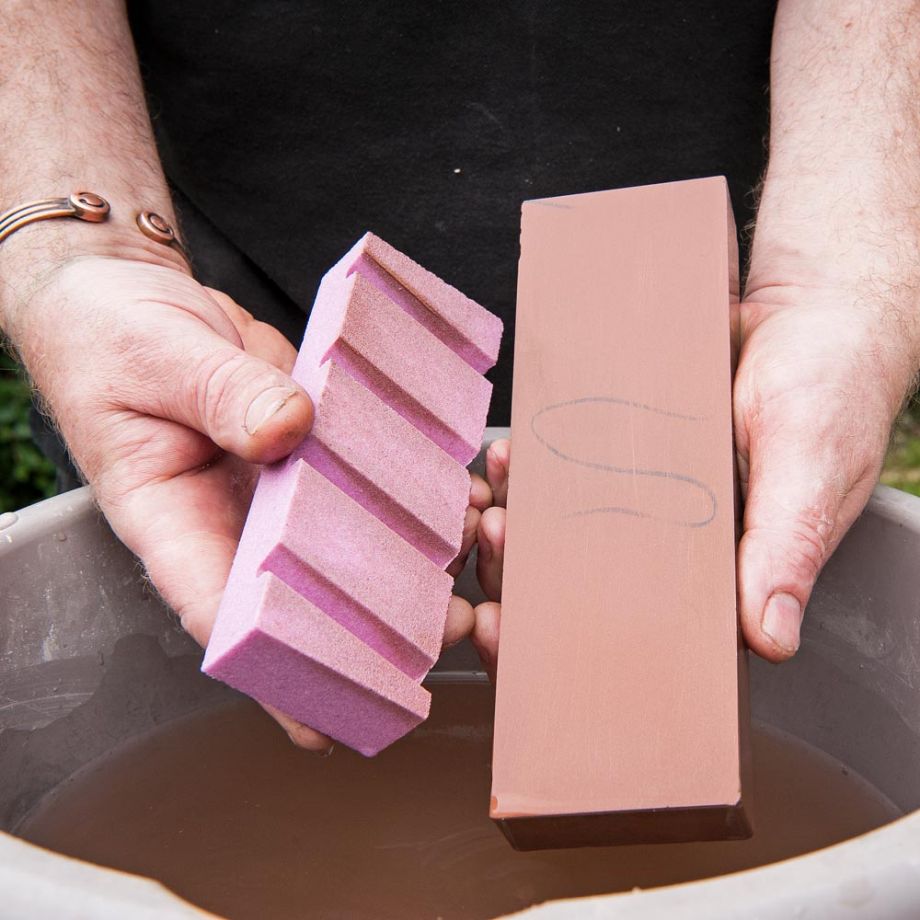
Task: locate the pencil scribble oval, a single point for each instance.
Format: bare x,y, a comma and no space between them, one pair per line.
566,453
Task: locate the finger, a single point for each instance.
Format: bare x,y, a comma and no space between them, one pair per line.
498,463
259,339
485,635
491,553
301,735
480,493
266,342
460,620
244,404
480,499
800,503
470,526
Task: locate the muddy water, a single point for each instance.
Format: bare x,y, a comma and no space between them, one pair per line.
223,810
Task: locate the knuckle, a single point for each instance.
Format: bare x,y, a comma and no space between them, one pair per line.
220,376
807,551
800,547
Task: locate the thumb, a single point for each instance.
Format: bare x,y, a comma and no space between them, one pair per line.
800,502
244,404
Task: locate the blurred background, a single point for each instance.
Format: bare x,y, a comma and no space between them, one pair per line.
26,476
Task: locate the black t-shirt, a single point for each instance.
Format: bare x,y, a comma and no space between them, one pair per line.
290,127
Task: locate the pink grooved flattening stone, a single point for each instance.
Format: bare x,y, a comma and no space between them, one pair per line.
404,364
378,458
327,548
337,598
277,647
460,323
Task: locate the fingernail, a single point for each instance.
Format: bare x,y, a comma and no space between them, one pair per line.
782,619
297,742
265,405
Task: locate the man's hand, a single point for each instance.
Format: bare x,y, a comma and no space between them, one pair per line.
165,393
168,394
817,389
818,385
490,556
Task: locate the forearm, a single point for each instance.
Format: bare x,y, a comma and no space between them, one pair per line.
73,117
840,200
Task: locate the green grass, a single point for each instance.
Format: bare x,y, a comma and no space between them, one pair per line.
902,465
25,475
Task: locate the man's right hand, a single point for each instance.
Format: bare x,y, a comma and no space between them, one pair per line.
167,394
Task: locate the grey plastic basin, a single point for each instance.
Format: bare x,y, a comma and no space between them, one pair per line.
89,657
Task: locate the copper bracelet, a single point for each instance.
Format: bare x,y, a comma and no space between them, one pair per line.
90,207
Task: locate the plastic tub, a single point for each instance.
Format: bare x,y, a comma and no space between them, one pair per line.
89,657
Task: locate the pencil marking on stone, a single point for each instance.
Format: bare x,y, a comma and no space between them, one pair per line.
690,481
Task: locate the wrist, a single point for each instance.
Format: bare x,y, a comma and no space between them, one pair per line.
872,339
843,239
33,255
839,223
